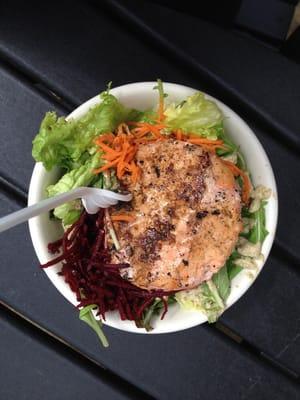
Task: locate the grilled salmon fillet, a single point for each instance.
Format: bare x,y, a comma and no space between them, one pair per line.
187,210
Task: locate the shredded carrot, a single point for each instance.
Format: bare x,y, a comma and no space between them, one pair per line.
119,149
194,140
246,181
207,144
179,134
109,157
145,124
122,217
108,149
144,128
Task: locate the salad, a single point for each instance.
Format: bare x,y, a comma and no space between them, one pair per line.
194,222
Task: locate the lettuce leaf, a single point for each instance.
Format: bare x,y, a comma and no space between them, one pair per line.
148,116
195,115
68,144
205,298
81,176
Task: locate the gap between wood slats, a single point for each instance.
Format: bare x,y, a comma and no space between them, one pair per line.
29,78
256,352
118,11
241,104
60,346
12,191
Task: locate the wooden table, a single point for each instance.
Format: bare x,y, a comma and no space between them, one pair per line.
54,58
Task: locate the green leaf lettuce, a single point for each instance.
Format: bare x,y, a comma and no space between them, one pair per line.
81,176
205,298
195,115
67,144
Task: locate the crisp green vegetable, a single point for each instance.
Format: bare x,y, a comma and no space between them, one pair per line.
214,291
161,94
241,163
222,282
69,212
160,88
196,115
259,232
231,147
232,269
221,134
204,298
148,116
67,144
81,176
109,181
154,309
210,296
86,315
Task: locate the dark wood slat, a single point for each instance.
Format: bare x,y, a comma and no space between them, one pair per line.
254,76
32,369
286,165
81,55
150,362
267,315
21,111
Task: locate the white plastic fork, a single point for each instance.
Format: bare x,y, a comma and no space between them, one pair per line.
92,200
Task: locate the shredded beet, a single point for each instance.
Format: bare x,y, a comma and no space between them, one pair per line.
87,268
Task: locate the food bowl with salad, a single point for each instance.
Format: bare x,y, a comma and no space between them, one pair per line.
200,224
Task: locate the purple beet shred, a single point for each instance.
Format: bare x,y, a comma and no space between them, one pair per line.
87,268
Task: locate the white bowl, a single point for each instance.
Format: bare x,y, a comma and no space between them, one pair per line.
142,96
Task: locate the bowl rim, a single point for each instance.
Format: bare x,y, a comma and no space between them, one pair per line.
39,173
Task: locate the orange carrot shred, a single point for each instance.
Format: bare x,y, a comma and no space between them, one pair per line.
179,135
122,217
246,181
119,149
194,140
107,149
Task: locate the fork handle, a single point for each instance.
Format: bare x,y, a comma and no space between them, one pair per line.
41,207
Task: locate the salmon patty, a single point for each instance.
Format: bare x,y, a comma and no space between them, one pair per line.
187,209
